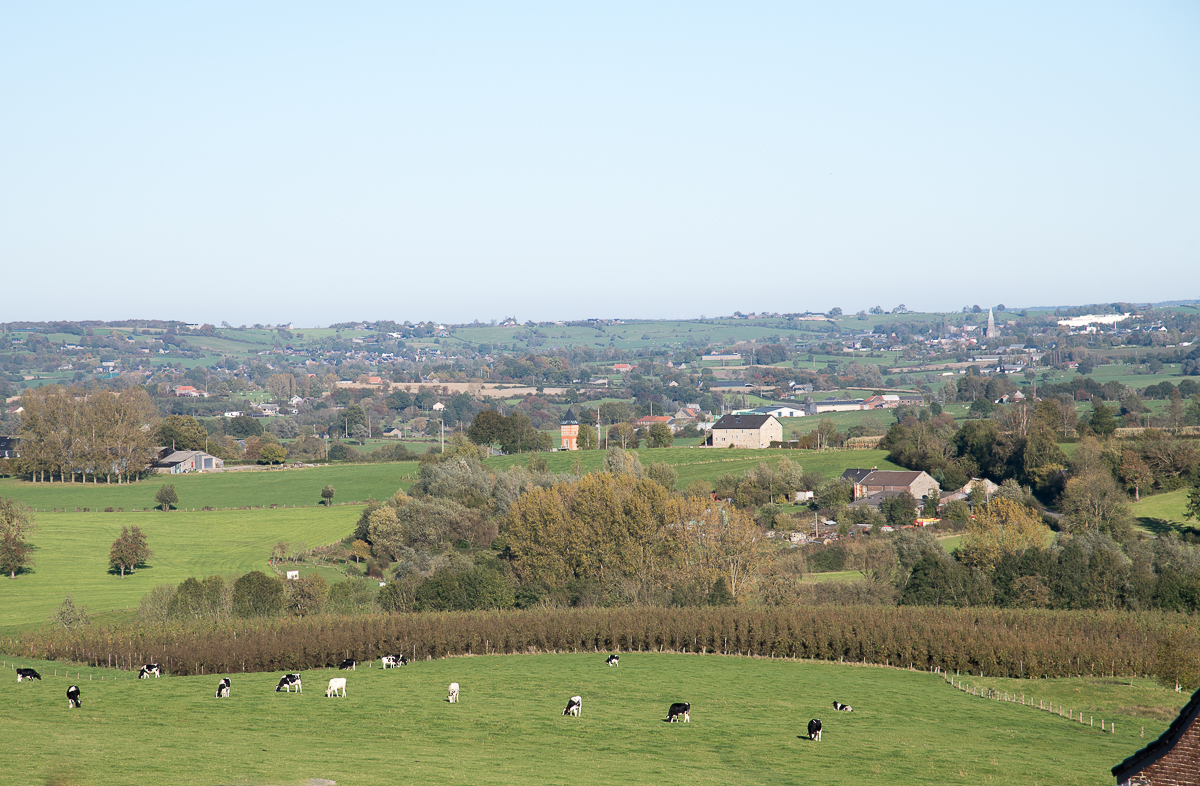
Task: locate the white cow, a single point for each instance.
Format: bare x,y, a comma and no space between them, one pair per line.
574,706
453,697
336,684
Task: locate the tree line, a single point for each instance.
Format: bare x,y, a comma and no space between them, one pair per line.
76,433
988,642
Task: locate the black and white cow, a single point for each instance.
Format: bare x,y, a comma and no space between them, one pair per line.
574,706
348,664
613,660
814,729
27,674
680,709
73,698
393,661
223,688
287,681
837,705
150,670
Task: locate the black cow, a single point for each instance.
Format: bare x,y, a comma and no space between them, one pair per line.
287,681
613,660
574,706
223,688
150,670
73,698
680,709
347,665
837,705
27,674
814,729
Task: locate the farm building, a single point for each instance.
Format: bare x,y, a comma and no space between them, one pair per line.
178,461
871,482
1171,760
746,431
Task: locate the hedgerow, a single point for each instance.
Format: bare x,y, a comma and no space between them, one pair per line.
990,642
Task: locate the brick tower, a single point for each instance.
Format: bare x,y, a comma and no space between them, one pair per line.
568,428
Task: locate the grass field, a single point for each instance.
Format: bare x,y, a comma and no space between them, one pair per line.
224,489
709,464
748,727
1163,512
71,553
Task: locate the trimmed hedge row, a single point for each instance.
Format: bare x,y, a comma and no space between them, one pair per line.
988,642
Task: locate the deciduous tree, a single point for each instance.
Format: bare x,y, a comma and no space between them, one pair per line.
129,550
166,496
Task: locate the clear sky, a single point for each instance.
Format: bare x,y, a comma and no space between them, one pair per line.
319,162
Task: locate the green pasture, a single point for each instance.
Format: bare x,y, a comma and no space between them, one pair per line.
747,726
254,487
1163,513
71,555
709,463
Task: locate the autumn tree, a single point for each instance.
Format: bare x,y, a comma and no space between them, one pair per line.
1001,528
1135,473
129,550
661,436
273,454
70,616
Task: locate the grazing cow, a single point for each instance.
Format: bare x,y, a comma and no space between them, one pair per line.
680,709
613,660
574,706
287,681
150,670
453,697
336,684
388,662
27,674
223,688
814,729
73,698
837,705
347,665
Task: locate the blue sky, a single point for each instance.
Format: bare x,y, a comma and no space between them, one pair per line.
314,162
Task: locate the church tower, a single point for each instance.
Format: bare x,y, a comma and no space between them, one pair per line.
568,429
992,332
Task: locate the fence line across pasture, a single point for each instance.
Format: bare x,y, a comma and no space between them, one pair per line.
205,509
984,692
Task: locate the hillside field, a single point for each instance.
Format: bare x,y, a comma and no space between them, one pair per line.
71,555
747,727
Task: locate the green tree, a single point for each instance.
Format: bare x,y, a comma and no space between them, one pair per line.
900,510
166,496
1193,504
327,495
181,432
307,595
587,437
661,436
488,428
16,523
244,426
1093,503
129,550
273,454
1102,420
257,595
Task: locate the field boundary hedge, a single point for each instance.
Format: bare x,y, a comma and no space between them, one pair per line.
987,642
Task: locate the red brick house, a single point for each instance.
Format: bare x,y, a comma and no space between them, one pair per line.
1171,760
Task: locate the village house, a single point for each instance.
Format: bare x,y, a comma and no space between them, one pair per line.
650,420
746,431
868,483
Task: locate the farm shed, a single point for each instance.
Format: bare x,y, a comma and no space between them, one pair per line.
1171,760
